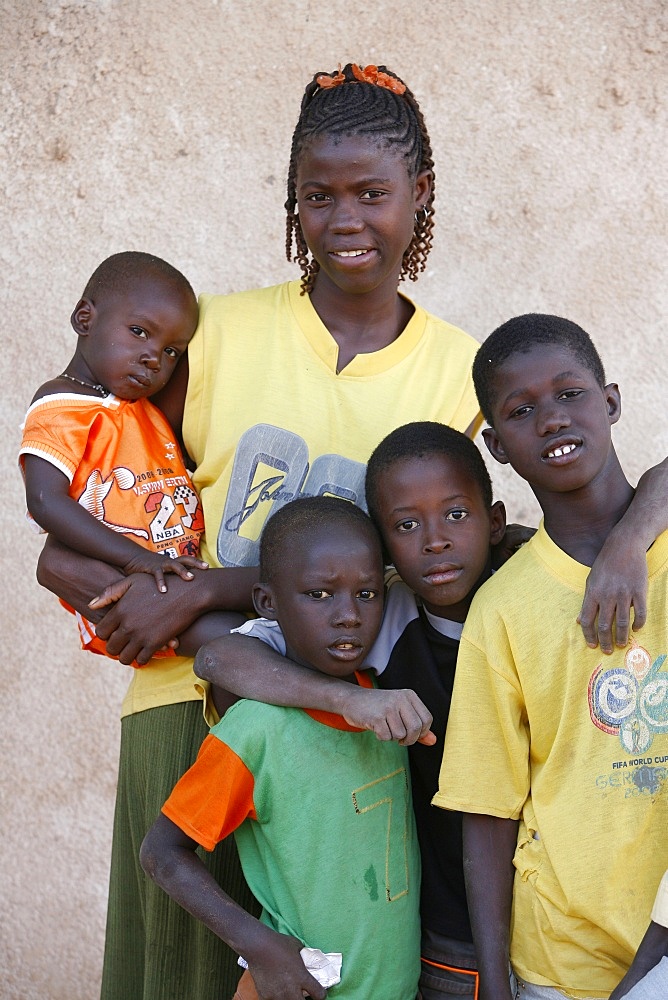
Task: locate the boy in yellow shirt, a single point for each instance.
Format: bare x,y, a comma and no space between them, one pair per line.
557,756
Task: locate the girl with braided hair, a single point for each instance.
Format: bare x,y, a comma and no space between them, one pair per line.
394,122
285,392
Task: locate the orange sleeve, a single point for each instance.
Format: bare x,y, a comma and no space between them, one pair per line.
213,797
58,432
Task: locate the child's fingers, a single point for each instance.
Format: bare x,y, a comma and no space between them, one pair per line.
192,562
173,566
417,734
428,739
392,715
159,578
110,594
183,565
407,718
417,720
639,613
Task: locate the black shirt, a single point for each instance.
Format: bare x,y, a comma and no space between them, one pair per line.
424,659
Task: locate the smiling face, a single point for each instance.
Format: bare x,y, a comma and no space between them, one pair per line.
327,598
357,206
552,419
130,341
438,530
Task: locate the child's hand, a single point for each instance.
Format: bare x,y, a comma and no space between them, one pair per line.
392,715
157,565
514,538
279,972
110,594
616,583
114,592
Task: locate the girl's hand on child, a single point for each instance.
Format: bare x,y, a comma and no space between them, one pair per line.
279,972
157,565
143,620
178,566
113,593
110,594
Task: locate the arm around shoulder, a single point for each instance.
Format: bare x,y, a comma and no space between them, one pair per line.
249,668
618,579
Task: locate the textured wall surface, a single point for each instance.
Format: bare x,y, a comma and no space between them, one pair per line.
166,126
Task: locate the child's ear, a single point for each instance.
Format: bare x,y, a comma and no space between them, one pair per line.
494,446
423,183
82,317
497,522
263,601
613,398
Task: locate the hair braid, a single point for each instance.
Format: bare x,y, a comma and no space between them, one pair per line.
370,110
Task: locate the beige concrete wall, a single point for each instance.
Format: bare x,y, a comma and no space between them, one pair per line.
166,126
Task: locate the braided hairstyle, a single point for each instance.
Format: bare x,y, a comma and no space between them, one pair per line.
351,108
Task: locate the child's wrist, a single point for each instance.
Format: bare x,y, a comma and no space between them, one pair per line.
348,699
206,593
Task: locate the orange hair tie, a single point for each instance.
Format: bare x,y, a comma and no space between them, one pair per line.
327,80
369,74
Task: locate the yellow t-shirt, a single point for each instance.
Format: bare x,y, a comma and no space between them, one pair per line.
575,745
267,417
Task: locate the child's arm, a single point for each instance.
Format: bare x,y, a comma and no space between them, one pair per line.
168,856
208,627
144,620
618,579
61,515
653,947
250,668
489,848
73,578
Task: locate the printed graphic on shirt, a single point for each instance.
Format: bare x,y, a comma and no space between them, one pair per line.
174,513
631,701
271,467
388,793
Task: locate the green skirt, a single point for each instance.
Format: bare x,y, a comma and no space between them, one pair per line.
154,950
